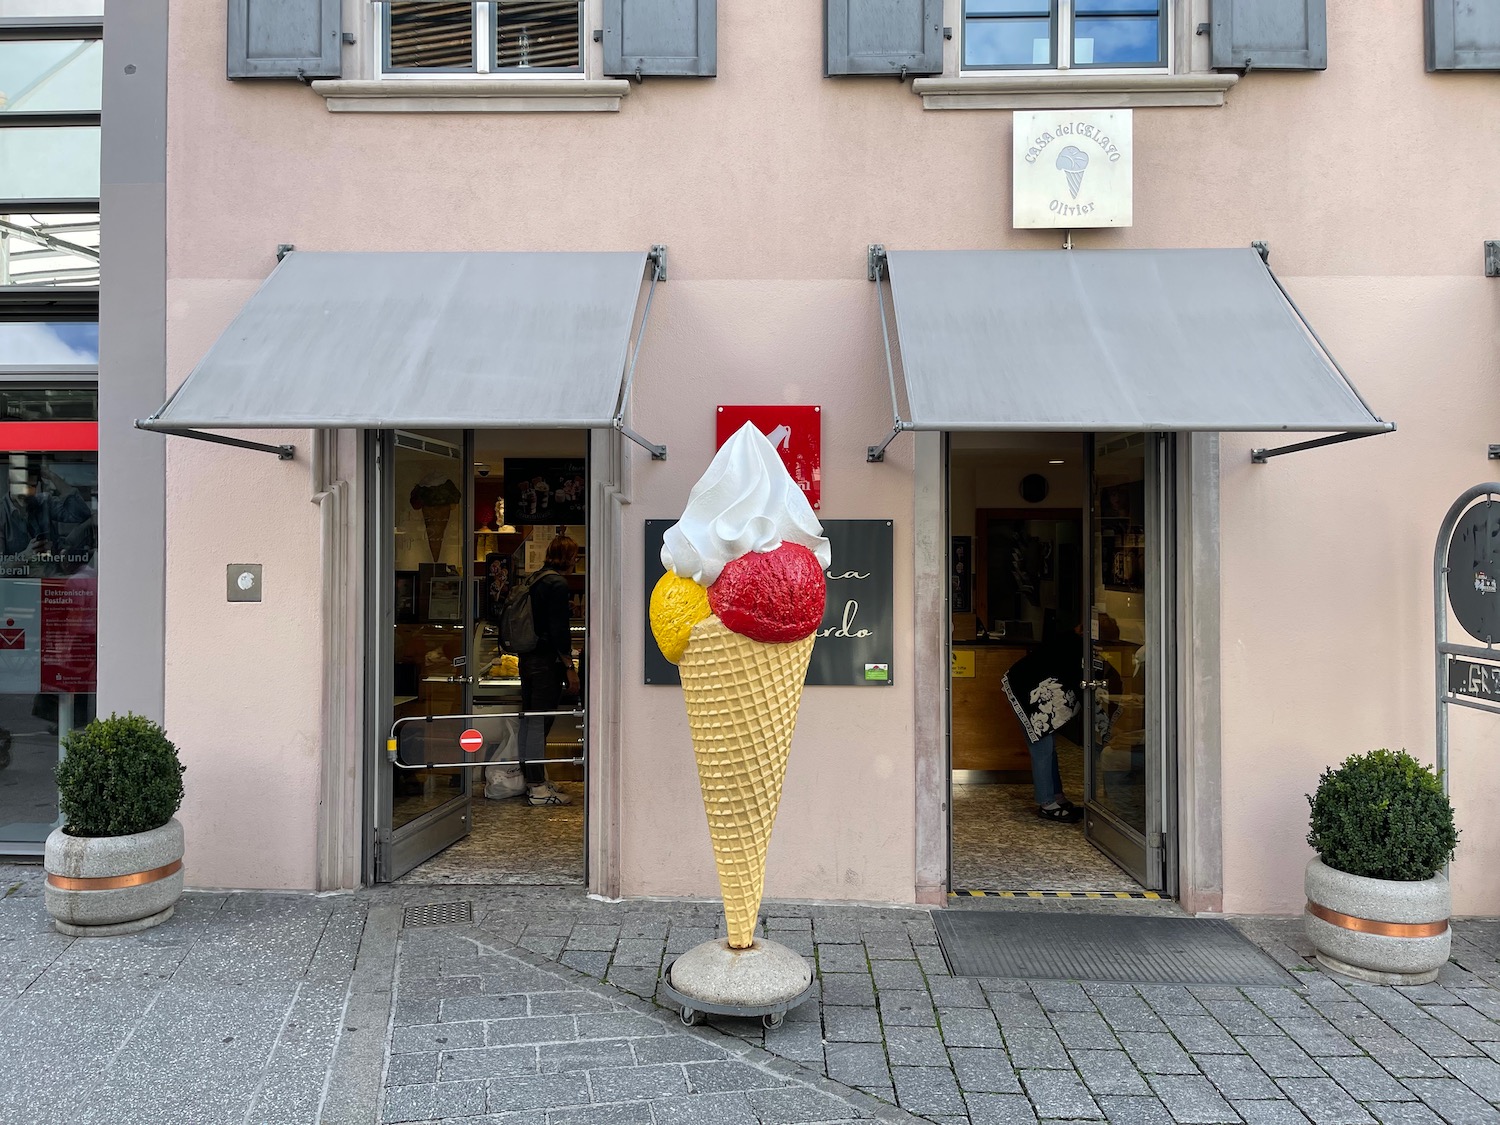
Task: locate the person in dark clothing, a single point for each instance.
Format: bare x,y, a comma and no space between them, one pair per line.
549,670
1044,690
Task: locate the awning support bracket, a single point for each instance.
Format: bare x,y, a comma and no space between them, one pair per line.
876,267
657,257
1261,456
283,452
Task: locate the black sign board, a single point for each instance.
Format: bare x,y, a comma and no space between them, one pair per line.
1478,681
1474,571
857,636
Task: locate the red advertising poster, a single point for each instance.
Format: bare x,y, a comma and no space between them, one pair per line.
795,431
69,634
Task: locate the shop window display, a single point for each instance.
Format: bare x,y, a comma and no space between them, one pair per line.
48,599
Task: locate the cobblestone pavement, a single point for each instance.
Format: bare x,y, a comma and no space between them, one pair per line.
292,1008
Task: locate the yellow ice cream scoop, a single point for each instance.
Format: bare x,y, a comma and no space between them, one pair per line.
677,604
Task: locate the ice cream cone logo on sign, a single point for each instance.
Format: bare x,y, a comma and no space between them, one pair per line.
1072,162
737,612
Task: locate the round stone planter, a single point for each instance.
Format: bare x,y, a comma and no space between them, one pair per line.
1378,930
102,885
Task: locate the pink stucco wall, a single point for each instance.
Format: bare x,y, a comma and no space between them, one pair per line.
1371,181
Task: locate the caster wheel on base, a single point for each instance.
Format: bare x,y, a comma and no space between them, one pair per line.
771,1022
691,1018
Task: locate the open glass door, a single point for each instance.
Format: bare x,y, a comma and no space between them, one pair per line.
1125,749
424,617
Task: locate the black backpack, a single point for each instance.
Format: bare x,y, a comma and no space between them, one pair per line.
517,629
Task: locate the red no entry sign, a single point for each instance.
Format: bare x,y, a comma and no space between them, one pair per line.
471,740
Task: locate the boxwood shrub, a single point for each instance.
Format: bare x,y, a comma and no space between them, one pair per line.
1382,815
119,776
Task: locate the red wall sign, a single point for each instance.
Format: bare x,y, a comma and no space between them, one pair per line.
795,431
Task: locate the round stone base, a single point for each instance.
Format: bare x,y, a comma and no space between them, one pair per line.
1370,976
766,975
115,929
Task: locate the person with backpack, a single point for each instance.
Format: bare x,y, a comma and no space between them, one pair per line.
535,625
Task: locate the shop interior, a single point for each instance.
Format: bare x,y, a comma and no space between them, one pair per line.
469,529
1019,512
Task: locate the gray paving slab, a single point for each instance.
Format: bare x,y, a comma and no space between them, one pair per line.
1324,1101
1192,1099
984,1072
1110,1073
1000,1109
1238,1076
1059,1094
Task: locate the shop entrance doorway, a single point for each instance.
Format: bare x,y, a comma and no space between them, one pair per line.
461,519
1061,597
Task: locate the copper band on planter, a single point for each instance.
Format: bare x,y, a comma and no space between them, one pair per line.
114,882
1383,929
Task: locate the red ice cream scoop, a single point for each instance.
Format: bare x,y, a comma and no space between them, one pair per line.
773,597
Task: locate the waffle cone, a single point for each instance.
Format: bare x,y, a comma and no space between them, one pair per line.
742,699
435,518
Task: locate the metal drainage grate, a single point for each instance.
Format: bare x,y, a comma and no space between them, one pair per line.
438,914
1099,947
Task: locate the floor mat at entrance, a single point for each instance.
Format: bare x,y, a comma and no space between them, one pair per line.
1096,947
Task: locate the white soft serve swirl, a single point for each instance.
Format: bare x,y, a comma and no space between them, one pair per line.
745,501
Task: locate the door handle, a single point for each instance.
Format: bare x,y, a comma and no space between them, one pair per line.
1097,685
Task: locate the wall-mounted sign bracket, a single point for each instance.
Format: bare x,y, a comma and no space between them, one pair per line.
283,452
656,263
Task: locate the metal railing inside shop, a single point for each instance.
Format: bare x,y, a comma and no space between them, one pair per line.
424,742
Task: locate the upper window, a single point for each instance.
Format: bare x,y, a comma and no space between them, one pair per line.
50,80
488,37
1064,34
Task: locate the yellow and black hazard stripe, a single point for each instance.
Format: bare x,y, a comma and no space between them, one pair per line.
1152,895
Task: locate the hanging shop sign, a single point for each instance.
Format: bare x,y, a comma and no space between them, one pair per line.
856,639
795,431
1465,569
1477,681
1073,168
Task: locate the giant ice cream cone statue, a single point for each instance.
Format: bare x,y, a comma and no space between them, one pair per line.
737,611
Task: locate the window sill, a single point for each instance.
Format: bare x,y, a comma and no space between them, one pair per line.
1073,91
474,95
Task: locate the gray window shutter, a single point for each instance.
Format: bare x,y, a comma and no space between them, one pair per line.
1270,34
883,37
672,37
1463,35
284,38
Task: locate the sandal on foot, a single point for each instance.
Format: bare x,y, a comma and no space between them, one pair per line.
1063,814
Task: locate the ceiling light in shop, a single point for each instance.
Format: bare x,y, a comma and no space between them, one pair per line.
1056,462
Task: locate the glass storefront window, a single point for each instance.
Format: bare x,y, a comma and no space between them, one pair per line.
47,163
48,597
49,249
25,343
51,75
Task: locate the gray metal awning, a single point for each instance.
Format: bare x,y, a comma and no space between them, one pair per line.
443,340
1175,340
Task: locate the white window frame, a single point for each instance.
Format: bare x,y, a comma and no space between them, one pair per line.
484,50
1062,24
